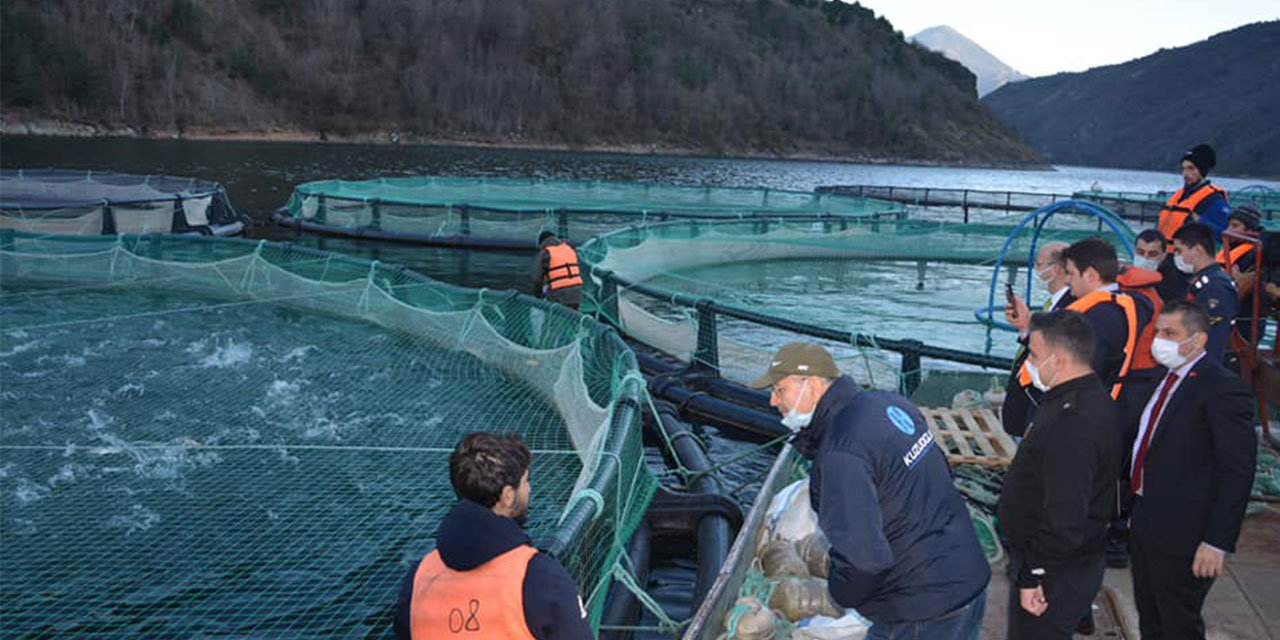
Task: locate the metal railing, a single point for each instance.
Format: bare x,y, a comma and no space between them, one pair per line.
708,312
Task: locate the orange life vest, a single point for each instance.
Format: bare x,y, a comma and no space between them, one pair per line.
1175,212
1090,301
1136,280
485,602
1228,260
562,270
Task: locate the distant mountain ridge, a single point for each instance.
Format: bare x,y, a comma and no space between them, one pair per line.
1144,113
992,73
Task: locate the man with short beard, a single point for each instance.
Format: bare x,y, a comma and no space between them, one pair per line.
485,579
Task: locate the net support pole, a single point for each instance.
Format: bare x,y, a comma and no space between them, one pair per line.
375,213
911,366
108,219
707,352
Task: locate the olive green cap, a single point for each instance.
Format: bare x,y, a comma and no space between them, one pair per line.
797,359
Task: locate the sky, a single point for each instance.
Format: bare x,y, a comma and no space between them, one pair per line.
1044,37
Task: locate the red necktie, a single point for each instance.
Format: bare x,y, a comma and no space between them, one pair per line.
1135,478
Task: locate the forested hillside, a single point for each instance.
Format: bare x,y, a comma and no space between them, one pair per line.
1144,113
720,76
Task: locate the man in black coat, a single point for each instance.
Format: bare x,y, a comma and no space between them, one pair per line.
1020,399
1192,470
1060,492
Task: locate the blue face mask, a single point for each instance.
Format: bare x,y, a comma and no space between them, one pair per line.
794,420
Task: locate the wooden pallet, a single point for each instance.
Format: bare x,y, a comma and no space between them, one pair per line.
971,436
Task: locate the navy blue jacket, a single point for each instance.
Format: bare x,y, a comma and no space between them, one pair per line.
902,545
471,535
1215,291
1213,210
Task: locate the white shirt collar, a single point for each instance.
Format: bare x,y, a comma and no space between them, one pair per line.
1111,287
1058,295
1186,366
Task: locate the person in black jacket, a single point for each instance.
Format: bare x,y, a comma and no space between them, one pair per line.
1060,492
1210,287
903,550
1191,471
484,562
1151,251
1020,399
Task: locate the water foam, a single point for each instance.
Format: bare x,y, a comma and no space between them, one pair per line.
231,354
138,519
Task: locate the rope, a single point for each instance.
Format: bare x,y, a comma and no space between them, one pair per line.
665,623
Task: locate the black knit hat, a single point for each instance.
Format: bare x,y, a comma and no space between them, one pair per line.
542,237
1249,215
1203,157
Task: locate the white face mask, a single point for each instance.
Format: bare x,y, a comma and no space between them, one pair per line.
1045,274
794,420
1169,353
1182,264
1034,372
1146,263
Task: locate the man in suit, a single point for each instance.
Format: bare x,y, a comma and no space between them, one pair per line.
1191,471
1019,399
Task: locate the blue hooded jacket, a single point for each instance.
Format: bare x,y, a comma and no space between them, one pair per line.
903,547
471,535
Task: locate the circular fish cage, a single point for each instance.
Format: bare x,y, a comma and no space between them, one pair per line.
509,213
207,436
892,299
85,203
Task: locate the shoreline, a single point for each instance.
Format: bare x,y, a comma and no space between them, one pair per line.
42,127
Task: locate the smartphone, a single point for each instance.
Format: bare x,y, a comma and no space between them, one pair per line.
1008,292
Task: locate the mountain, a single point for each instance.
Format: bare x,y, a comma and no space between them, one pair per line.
990,71
775,77
1144,113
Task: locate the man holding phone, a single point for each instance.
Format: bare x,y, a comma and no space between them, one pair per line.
1019,398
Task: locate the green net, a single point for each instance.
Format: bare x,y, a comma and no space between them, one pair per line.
889,280
219,437
54,201
518,210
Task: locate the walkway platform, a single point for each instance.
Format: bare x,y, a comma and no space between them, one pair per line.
1241,605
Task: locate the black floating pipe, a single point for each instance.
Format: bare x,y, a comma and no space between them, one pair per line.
700,407
621,608
715,531
702,381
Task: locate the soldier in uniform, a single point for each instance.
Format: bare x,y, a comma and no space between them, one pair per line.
1210,287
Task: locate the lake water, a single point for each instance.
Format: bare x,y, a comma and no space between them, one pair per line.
246,470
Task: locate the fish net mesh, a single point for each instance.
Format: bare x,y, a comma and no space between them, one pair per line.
67,202
519,209
202,436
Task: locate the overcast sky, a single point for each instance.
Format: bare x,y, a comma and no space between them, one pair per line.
1045,37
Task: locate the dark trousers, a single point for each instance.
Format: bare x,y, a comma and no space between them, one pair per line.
964,623
1168,595
1069,591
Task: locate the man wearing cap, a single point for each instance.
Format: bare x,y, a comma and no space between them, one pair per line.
903,550
1197,200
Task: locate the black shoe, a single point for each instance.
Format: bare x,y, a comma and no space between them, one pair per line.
1085,627
1117,554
